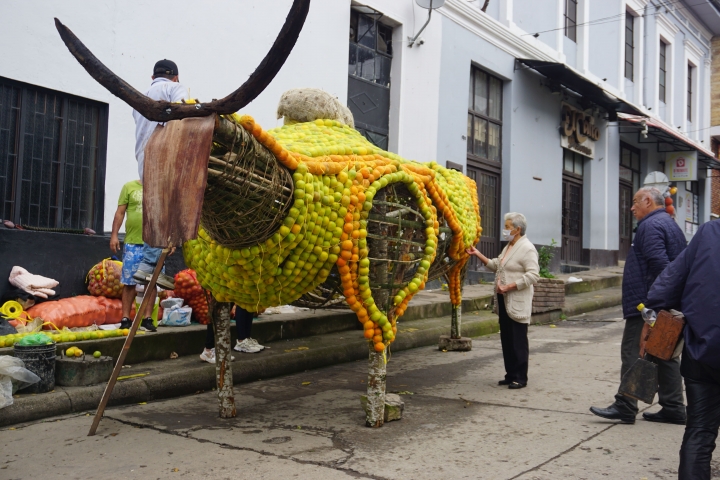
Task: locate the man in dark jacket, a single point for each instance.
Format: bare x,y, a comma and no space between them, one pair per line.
658,241
691,284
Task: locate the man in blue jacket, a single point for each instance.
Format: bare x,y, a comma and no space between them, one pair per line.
691,284
658,241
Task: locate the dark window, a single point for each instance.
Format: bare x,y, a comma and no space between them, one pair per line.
629,45
573,162
571,19
52,157
663,69
630,165
370,49
690,72
484,116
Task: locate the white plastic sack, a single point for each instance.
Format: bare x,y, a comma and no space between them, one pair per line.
176,317
172,302
13,376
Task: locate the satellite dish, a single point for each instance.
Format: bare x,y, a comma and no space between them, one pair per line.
658,180
430,4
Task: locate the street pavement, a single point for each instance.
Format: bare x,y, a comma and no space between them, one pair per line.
458,423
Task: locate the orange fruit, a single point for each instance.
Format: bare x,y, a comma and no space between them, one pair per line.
379,347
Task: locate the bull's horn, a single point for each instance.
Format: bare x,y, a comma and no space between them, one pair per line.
160,111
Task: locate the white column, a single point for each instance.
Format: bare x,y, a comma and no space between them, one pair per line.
583,47
705,105
506,13
639,58
560,32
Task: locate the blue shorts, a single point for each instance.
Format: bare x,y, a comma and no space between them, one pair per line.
132,256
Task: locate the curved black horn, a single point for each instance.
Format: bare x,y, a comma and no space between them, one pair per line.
160,111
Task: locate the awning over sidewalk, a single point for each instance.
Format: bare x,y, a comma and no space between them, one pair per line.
570,79
668,140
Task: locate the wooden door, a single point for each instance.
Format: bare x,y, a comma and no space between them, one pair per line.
626,220
488,187
571,248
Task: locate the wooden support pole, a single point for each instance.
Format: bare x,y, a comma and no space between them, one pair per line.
456,322
377,364
128,341
223,355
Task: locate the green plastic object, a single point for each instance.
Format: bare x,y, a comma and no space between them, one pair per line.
35,339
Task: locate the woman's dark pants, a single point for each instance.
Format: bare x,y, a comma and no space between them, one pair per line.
515,348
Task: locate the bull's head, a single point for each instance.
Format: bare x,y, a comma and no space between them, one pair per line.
177,155
160,111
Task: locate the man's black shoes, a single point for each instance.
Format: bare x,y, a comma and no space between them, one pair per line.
125,323
147,325
663,417
613,413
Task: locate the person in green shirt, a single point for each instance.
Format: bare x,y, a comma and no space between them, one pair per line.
130,203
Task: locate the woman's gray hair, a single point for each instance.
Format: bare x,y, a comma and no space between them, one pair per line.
654,194
517,220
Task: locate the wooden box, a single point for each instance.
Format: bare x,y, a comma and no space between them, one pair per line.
661,339
549,294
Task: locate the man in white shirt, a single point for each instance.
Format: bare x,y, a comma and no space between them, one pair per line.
165,86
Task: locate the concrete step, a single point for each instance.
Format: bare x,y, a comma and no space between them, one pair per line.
269,328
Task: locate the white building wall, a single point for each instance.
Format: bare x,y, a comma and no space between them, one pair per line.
429,82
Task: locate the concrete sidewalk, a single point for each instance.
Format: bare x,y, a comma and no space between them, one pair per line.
458,423
296,342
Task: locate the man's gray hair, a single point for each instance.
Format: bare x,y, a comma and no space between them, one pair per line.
655,195
517,220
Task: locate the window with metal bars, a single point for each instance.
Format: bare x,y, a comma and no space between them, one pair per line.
571,19
690,72
663,70
52,157
629,46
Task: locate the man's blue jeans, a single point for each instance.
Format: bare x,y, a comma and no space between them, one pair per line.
150,259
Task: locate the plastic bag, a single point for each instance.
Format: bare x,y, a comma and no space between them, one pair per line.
176,317
188,287
35,339
104,279
172,302
13,376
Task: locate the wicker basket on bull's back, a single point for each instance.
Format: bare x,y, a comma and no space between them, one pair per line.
549,295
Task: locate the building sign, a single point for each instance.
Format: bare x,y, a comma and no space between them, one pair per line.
578,131
681,166
689,213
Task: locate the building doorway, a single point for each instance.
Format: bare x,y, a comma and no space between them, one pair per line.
488,190
572,208
629,183
484,155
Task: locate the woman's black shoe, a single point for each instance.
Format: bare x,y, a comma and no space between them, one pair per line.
516,385
504,382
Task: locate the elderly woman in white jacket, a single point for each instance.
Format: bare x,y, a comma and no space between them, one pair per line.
516,271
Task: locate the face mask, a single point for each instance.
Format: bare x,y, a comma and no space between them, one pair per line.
506,236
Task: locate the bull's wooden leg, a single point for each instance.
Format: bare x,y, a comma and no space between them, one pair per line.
456,322
223,367
377,368
377,364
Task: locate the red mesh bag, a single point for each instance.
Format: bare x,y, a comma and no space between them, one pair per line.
104,279
80,311
188,288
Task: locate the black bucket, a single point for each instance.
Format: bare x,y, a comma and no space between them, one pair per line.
40,360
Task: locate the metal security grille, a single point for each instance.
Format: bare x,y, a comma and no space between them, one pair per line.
369,65
52,157
9,120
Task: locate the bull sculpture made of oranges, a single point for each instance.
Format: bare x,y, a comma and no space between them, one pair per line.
310,213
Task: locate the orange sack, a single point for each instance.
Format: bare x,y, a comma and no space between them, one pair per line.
80,311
